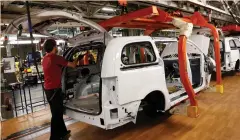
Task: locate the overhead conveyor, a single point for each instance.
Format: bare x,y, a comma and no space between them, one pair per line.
233,28
152,19
216,11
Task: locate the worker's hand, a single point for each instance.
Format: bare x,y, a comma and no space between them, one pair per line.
72,64
75,61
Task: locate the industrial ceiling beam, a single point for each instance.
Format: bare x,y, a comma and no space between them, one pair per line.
69,24
99,8
80,10
5,4
189,7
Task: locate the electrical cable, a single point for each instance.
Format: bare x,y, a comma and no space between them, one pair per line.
14,26
33,50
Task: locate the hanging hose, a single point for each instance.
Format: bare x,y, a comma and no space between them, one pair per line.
33,50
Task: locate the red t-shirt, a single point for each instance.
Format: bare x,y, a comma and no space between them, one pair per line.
52,69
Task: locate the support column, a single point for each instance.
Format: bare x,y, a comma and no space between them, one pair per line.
8,48
192,110
219,86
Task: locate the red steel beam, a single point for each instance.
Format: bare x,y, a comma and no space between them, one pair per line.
163,16
235,28
199,20
182,60
146,12
155,26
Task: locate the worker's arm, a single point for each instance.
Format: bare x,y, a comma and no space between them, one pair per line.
72,64
62,62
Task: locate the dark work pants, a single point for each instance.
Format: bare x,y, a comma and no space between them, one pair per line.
58,127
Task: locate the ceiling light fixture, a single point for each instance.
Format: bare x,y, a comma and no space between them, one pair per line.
108,9
21,42
4,24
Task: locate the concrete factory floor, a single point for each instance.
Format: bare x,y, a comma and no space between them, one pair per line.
218,120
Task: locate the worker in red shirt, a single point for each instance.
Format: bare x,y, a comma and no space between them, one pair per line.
52,68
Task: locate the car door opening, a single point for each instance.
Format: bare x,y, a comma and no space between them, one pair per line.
83,83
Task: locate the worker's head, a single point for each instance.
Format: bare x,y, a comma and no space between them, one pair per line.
50,46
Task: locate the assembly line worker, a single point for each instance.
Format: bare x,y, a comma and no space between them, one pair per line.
52,68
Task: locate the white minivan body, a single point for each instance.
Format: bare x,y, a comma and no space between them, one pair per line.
126,85
229,49
117,78
230,53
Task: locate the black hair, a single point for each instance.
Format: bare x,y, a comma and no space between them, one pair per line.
49,45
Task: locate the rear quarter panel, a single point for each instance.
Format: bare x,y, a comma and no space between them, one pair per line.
136,83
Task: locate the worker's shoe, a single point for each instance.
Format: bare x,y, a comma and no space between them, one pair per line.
67,135
238,72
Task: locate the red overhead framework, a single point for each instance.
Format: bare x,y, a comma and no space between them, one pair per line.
152,19
234,28
122,2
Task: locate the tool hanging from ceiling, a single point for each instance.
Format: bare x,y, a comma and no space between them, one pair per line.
123,5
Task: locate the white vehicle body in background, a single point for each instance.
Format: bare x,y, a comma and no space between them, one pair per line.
230,53
229,49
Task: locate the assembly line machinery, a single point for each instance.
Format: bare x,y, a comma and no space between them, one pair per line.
220,12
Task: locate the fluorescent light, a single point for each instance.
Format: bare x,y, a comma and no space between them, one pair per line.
14,37
23,42
108,9
29,42
4,24
10,38
1,46
60,41
35,35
